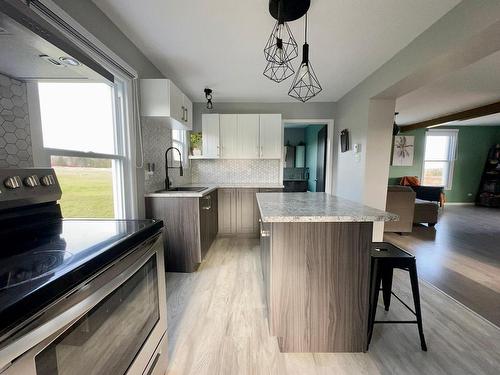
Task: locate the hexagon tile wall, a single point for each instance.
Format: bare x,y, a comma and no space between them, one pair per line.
15,138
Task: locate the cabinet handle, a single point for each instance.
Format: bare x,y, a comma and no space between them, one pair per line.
209,199
183,112
186,116
218,150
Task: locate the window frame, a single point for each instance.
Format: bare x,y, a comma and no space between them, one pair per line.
184,146
452,153
128,205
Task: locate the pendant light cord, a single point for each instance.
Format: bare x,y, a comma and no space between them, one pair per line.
305,31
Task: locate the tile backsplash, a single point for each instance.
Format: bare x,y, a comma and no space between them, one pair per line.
15,138
235,171
157,137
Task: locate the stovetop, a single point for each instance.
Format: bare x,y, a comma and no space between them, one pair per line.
41,262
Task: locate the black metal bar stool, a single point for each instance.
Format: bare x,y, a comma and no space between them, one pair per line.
384,258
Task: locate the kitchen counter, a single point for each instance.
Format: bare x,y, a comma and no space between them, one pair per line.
316,207
315,254
210,188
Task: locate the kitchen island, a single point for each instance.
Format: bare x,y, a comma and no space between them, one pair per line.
315,253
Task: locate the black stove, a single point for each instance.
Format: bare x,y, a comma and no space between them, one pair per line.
44,256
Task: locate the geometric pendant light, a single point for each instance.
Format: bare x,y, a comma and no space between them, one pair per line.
281,46
278,72
305,84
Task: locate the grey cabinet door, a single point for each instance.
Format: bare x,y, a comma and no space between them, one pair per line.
208,221
204,207
247,218
265,257
213,226
227,211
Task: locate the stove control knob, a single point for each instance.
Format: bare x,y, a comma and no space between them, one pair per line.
48,180
13,182
31,181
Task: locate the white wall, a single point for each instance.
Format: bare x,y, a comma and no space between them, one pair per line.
466,34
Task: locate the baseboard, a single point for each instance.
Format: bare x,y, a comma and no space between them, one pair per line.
459,204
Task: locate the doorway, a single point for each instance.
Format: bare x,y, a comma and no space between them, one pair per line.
306,156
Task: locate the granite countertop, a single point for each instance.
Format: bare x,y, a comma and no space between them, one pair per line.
210,188
316,207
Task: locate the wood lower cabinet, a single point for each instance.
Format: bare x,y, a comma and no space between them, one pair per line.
238,212
227,211
191,226
208,221
316,281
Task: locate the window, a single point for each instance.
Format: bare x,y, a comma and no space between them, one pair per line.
179,140
82,142
439,160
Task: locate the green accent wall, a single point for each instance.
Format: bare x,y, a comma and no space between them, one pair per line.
473,145
312,154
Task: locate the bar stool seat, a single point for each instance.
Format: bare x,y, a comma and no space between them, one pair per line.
384,258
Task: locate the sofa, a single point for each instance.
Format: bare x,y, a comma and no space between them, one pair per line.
426,212
400,201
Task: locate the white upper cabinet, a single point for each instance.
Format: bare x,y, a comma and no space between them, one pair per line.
229,136
210,129
162,98
242,136
188,112
247,143
271,140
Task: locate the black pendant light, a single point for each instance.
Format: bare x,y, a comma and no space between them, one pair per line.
305,84
278,73
281,47
208,96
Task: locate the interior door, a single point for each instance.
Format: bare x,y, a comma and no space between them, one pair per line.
270,136
321,161
210,129
228,136
248,136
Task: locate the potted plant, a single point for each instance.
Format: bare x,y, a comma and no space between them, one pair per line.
195,139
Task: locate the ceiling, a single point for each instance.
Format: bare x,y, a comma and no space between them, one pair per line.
219,43
473,86
21,51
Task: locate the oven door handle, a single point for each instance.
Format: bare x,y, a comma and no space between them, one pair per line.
64,318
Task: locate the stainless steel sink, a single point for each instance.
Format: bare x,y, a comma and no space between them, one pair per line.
184,188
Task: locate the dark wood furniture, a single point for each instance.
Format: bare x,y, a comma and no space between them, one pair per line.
295,186
385,257
238,211
316,284
191,225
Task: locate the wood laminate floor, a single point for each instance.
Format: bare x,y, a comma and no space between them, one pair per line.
217,325
461,256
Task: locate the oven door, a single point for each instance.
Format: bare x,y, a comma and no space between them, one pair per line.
115,324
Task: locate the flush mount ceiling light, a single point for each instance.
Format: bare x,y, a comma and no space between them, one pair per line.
66,60
51,60
305,84
208,96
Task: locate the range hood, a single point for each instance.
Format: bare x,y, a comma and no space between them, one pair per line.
32,49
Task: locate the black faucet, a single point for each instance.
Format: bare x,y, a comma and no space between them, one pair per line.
168,183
